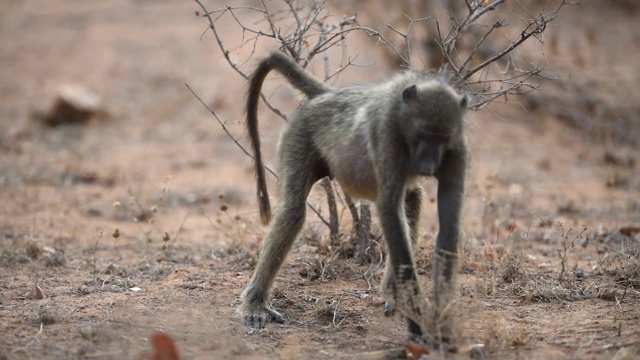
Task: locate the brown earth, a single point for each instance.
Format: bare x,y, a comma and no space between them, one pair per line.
85,208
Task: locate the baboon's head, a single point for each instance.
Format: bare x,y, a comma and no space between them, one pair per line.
432,123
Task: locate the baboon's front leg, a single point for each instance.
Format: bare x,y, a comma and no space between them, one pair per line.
451,187
412,207
392,220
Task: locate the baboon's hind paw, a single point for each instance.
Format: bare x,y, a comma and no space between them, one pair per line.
259,319
276,316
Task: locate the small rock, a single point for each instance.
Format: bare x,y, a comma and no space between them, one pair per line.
476,351
36,293
74,104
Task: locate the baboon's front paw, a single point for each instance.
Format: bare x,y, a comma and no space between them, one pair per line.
258,316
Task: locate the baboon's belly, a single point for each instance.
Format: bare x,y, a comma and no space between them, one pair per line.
356,175
346,151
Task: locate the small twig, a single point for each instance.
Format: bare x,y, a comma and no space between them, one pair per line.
368,275
478,13
225,52
233,138
619,301
524,35
563,254
496,25
175,237
224,128
95,247
335,312
405,35
294,12
445,52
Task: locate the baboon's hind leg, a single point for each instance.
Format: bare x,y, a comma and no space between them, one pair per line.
299,174
412,207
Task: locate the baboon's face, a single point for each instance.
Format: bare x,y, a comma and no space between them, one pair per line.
426,153
433,125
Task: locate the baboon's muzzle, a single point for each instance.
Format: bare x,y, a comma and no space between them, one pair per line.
426,157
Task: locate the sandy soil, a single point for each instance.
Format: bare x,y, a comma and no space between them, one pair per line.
156,162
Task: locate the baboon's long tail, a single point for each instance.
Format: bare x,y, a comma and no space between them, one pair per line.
299,79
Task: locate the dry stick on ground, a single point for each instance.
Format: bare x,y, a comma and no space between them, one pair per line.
563,256
562,253
95,246
373,267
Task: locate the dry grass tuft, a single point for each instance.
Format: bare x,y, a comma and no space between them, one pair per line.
43,316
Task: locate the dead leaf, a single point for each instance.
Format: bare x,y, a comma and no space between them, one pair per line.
163,347
416,351
607,294
489,253
629,230
49,249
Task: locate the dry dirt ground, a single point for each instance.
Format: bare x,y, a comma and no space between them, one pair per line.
542,196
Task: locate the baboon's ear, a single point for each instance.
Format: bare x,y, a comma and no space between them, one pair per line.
464,101
410,93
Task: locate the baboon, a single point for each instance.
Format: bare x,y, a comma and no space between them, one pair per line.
377,141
